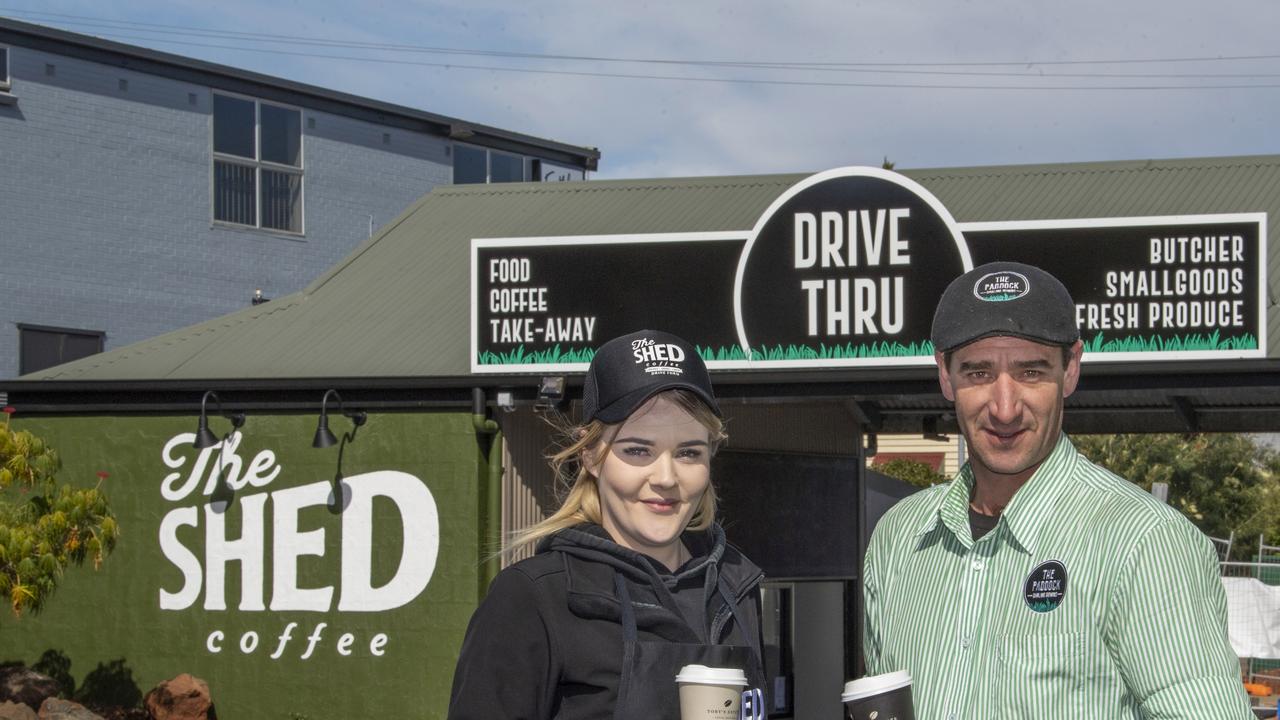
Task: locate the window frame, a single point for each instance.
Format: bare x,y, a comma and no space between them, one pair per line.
6,80
526,163
101,336
258,165
453,167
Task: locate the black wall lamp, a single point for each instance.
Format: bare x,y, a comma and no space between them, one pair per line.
550,393
204,437
324,436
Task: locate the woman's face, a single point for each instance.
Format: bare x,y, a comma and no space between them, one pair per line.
653,478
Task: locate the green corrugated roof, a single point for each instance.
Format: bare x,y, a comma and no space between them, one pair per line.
399,305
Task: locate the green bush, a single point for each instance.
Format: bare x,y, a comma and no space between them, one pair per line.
44,525
1224,483
911,471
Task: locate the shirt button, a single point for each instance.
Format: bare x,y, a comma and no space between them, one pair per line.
978,564
964,641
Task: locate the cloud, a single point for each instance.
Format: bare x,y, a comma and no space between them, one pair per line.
658,127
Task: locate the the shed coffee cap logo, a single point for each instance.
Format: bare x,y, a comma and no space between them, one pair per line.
1001,286
658,358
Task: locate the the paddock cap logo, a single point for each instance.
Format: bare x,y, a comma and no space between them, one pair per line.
1001,286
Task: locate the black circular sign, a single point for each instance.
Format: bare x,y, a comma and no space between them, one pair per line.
1045,586
847,264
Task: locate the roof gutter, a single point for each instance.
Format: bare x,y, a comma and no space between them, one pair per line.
225,77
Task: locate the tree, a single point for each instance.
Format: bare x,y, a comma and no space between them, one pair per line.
911,471
1222,482
45,525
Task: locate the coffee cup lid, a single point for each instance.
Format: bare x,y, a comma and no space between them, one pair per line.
874,685
704,675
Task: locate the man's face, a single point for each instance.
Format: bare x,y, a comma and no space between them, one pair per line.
1008,394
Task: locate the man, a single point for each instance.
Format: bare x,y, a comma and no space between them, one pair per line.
1036,584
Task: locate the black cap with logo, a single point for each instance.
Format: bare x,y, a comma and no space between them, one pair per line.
1008,299
632,368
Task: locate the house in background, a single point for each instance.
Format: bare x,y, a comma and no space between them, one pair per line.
143,192
943,454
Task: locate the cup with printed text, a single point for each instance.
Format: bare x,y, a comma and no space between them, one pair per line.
879,697
710,693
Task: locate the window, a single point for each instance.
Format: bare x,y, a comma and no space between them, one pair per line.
470,165
506,168
43,347
257,164
4,68
478,165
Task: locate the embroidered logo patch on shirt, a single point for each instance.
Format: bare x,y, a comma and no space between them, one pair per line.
1045,586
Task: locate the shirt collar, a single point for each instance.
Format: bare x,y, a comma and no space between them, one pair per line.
1026,514
951,508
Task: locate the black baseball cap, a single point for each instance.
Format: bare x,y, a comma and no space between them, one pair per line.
632,368
1008,299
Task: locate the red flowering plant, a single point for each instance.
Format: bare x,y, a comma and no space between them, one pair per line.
49,524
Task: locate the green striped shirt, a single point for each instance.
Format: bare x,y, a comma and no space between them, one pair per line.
1090,599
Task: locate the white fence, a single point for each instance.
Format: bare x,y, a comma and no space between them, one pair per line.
1253,608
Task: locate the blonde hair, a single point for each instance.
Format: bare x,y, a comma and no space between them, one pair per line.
581,502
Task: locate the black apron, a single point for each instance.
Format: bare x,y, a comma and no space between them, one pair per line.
647,689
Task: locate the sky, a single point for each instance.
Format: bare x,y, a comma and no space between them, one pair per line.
687,88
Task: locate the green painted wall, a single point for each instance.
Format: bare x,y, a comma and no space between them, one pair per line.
111,623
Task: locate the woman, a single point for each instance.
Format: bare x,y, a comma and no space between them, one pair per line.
632,578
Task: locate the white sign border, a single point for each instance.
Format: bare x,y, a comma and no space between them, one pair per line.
511,242
918,361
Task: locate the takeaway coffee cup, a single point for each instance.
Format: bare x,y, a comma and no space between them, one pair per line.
710,693
879,697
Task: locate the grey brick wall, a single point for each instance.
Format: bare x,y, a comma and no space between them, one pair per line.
105,192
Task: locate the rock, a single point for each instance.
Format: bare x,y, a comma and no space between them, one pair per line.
182,698
59,709
26,686
120,713
10,710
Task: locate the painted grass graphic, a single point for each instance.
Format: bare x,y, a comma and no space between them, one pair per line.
1176,343
846,351
1098,344
558,354
554,354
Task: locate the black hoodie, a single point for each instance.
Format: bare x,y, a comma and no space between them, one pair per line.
546,642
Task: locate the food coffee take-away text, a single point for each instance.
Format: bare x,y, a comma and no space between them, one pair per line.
521,310
353,590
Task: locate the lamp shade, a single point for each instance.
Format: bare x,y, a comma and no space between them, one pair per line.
204,437
324,436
